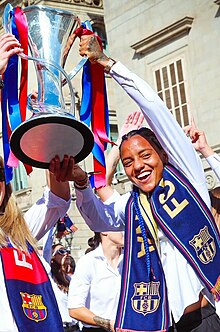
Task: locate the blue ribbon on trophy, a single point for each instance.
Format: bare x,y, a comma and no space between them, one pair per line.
14,96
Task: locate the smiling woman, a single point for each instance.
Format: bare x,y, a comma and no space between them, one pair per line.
143,159
167,272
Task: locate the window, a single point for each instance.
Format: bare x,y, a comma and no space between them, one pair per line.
20,180
171,88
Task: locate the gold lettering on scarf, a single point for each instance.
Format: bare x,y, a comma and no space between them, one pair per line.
178,206
148,218
140,239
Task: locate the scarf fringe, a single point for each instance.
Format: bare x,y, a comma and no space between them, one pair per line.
216,290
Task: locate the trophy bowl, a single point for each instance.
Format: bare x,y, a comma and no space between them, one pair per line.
39,139
52,129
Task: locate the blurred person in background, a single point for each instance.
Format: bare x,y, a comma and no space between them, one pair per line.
62,269
95,286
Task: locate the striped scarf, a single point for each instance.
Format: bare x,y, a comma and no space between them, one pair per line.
30,294
179,211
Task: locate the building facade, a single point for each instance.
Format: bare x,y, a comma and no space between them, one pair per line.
174,45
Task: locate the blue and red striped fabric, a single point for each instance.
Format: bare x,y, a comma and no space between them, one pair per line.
14,93
30,294
94,112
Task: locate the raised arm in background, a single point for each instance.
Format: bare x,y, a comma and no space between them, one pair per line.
198,139
56,199
200,143
132,122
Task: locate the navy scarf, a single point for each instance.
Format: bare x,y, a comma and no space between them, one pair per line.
185,219
30,294
189,225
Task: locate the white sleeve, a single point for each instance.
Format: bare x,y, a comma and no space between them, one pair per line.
47,244
100,216
80,284
171,136
214,162
45,213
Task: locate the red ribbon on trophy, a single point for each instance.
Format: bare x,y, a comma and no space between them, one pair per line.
94,112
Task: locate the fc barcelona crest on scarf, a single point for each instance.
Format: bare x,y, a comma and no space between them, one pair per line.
204,246
146,298
33,307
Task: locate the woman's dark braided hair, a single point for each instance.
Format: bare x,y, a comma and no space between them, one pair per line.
215,198
146,133
94,242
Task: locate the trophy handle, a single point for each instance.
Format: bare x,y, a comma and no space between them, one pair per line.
46,63
40,106
78,67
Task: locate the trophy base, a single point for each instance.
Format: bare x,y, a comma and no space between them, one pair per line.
38,140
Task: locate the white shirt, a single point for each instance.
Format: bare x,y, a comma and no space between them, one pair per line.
182,283
45,213
214,162
61,296
95,285
62,300
40,217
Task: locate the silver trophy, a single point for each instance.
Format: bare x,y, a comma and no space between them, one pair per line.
52,130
